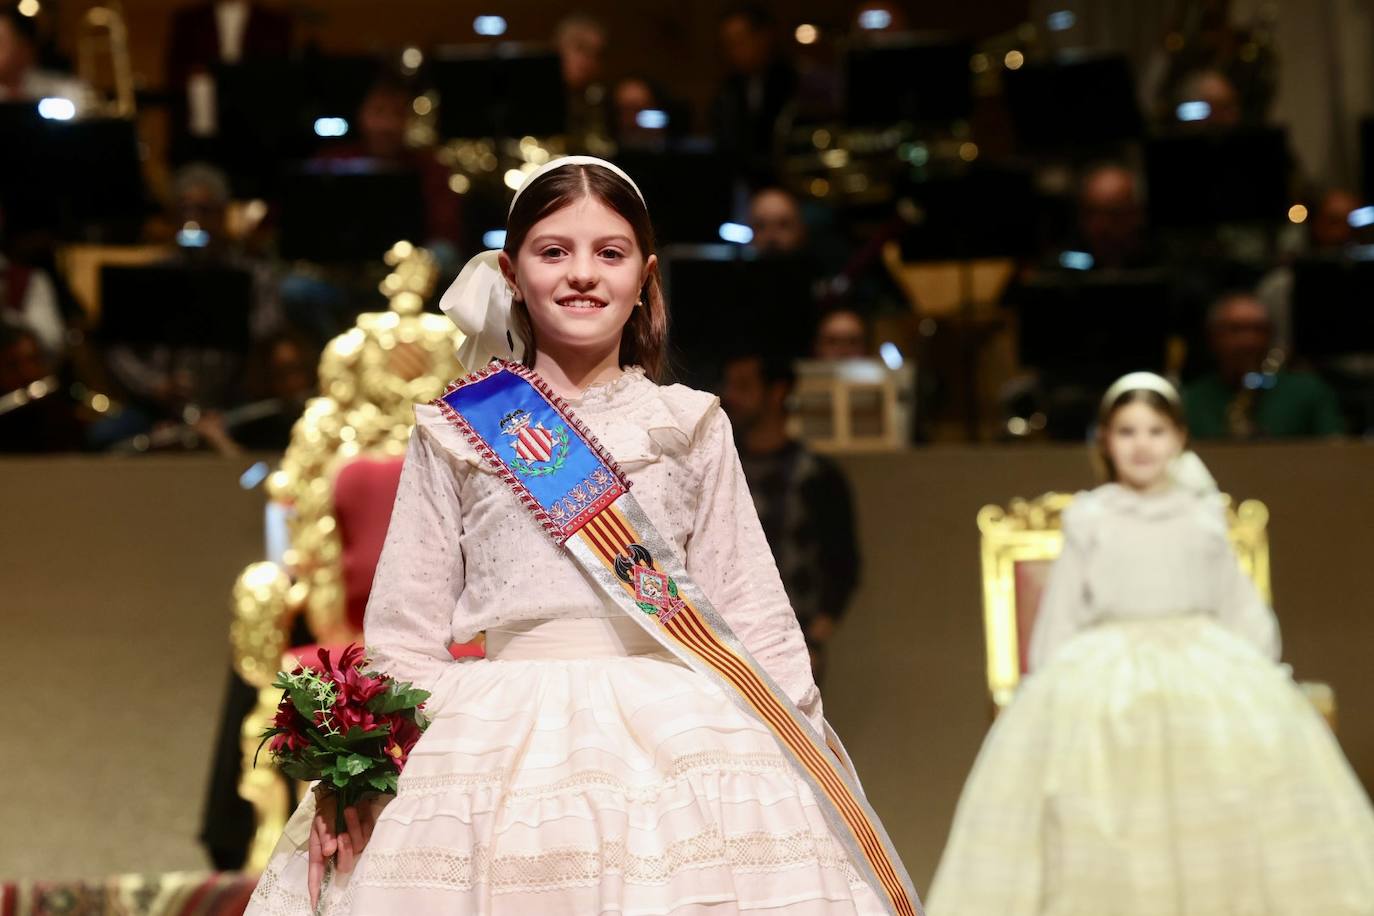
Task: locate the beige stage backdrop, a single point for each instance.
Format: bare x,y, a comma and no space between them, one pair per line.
114,580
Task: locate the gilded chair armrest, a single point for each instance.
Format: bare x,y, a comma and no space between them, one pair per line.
259,631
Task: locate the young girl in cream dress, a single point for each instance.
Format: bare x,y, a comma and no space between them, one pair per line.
1157,761
578,768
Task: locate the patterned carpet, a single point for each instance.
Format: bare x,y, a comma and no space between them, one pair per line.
172,894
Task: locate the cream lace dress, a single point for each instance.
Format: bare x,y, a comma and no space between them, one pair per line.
1157,761
578,769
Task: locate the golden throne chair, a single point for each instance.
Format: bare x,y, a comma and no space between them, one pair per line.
356,432
1021,541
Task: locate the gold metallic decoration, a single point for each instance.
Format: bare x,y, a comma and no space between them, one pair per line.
103,34
370,379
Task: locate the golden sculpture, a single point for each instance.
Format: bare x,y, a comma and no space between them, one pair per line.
370,379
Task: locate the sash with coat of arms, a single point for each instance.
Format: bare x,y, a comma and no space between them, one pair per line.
577,493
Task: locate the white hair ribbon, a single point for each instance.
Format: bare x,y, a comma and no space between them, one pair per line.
479,301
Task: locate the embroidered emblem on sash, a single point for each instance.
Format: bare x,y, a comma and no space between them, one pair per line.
655,592
539,451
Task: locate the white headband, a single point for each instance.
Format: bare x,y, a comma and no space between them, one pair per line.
1141,381
1187,470
479,301
574,160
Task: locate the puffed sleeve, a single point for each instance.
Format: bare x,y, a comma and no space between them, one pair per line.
728,557
1064,608
1239,606
408,625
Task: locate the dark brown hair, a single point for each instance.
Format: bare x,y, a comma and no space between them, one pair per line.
645,338
1172,411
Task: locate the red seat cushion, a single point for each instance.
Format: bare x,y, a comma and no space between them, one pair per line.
364,492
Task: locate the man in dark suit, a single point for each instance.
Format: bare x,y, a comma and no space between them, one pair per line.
204,35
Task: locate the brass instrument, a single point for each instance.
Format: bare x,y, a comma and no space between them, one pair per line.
103,45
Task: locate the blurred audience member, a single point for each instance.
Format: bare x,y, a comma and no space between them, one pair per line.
281,378
28,299
203,36
759,86
382,119
633,96
581,43
1329,233
1216,91
173,384
842,334
802,499
21,79
1248,396
775,216
36,413
1111,218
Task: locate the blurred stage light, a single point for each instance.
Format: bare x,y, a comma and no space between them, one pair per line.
422,105
978,63
459,184
1196,110
56,108
891,355
489,25
330,127
968,151
1076,260
192,236
807,34
875,20
1060,20
1014,60
254,475
514,178
494,238
28,8
412,58
1297,214
1360,218
652,119
737,233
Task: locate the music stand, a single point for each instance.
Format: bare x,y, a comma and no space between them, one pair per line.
1093,327
689,192
72,178
267,111
201,307
511,92
1332,313
350,210
1198,178
1073,102
921,79
720,299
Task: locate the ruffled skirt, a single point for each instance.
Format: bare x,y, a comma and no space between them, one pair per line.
581,770
1162,768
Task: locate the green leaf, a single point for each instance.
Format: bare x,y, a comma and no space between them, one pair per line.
356,734
355,764
672,587
397,697
304,702
383,783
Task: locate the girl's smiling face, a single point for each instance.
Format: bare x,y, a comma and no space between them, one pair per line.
580,274
1141,442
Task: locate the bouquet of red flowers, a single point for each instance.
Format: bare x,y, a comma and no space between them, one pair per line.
350,728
